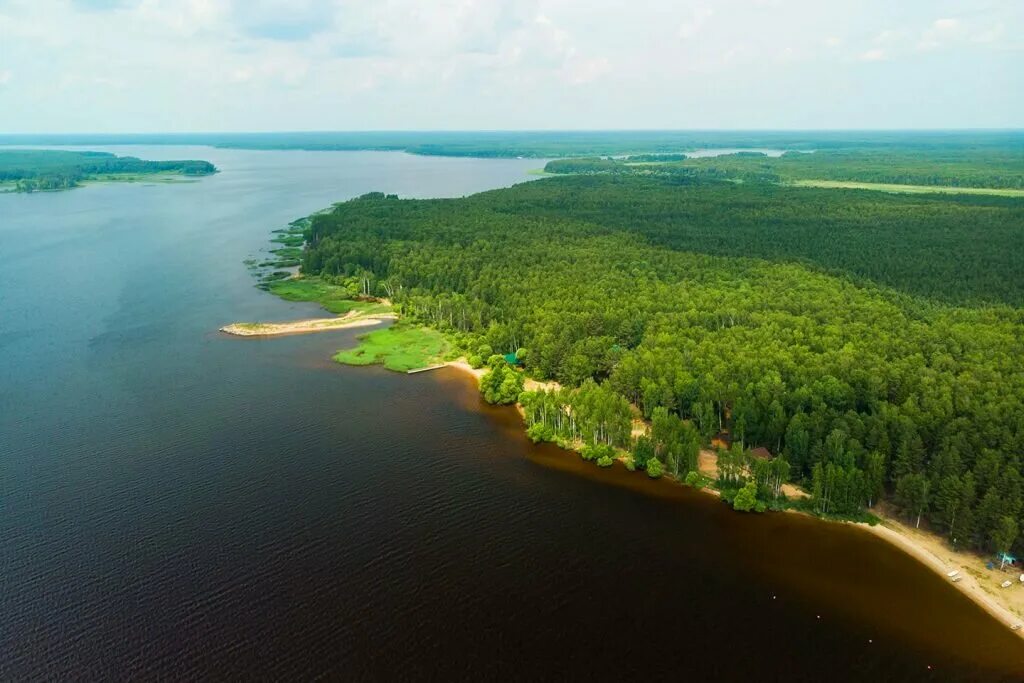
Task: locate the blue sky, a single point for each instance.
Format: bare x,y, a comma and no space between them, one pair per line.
223,65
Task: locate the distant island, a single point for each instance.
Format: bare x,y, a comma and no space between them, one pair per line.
36,170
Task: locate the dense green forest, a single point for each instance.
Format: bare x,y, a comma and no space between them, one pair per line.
35,170
635,291
551,144
943,166
956,249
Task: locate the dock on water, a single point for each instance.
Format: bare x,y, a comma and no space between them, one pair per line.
429,367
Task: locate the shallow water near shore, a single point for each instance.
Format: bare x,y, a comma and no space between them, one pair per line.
177,503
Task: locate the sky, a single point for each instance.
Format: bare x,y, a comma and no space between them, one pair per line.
266,65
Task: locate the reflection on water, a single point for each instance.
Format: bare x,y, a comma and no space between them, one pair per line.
180,504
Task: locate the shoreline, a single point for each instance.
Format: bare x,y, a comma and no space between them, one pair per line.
925,550
894,533
304,326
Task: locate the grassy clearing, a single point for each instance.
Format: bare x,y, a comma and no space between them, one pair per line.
332,297
399,348
306,289
908,189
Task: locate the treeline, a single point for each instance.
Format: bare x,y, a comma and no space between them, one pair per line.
864,392
943,167
33,170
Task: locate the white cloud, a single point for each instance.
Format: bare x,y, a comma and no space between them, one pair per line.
355,64
699,16
940,33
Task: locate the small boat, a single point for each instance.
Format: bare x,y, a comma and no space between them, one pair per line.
957,579
957,571
1022,578
1016,627
1006,584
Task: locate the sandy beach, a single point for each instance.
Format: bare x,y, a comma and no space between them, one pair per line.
980,584
305,326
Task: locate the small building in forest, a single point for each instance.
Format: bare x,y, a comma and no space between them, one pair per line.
761,453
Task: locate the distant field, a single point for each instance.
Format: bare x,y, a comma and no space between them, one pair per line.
908,189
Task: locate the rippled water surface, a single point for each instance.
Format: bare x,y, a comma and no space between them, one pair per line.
178,504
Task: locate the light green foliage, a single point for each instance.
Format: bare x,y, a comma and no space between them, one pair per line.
336,298
538,432
910,189
945,169
654,468
598,452
399,348
694,479
677,442
605,461
502,384
643,450
746,498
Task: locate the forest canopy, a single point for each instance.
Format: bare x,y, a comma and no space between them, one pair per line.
871,341
951,166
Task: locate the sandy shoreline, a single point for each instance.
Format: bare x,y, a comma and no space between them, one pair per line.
932,551
304,326
926,548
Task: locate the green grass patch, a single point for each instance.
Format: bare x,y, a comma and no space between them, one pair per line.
307,289
399,348
288,252
334,298
908,189
289,239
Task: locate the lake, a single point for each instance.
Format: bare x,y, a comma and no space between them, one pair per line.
175,503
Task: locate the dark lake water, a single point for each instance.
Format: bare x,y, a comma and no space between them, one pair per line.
177,504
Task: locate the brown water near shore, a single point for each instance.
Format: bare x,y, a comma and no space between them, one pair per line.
835,577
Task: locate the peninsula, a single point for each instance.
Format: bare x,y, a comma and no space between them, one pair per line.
819,349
